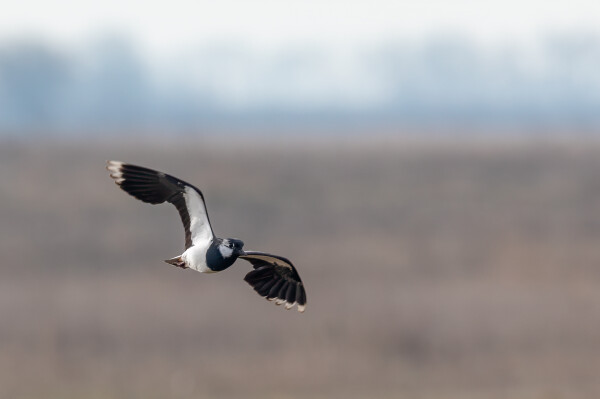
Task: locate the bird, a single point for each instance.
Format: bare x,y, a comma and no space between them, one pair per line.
273,277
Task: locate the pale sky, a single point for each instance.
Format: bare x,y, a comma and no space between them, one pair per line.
161,26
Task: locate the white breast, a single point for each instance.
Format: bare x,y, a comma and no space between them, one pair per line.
195,257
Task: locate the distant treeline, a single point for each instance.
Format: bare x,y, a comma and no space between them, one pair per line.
112,84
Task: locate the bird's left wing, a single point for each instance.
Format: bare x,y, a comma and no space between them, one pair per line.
275,278
156,187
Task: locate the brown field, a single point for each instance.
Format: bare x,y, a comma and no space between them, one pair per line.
433,270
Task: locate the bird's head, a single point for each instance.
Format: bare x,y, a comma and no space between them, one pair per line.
231,247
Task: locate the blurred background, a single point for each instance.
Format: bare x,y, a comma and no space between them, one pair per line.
432,168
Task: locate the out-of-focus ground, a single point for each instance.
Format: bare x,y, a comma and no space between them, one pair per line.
433,270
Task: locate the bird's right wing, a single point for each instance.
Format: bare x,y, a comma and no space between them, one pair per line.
155,187
275,278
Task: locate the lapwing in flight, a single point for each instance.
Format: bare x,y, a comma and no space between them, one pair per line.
274,277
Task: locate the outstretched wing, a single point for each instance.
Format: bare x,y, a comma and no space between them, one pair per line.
275,278
156,187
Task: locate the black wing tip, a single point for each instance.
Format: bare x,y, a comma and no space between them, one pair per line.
145,184
277,289
287,305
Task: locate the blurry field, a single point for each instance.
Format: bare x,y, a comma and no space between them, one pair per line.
440,270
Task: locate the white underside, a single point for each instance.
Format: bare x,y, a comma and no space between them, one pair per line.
195,257
202,236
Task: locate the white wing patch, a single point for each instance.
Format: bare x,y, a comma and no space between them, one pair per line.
199,225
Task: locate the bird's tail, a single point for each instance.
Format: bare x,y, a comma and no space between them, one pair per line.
177,261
